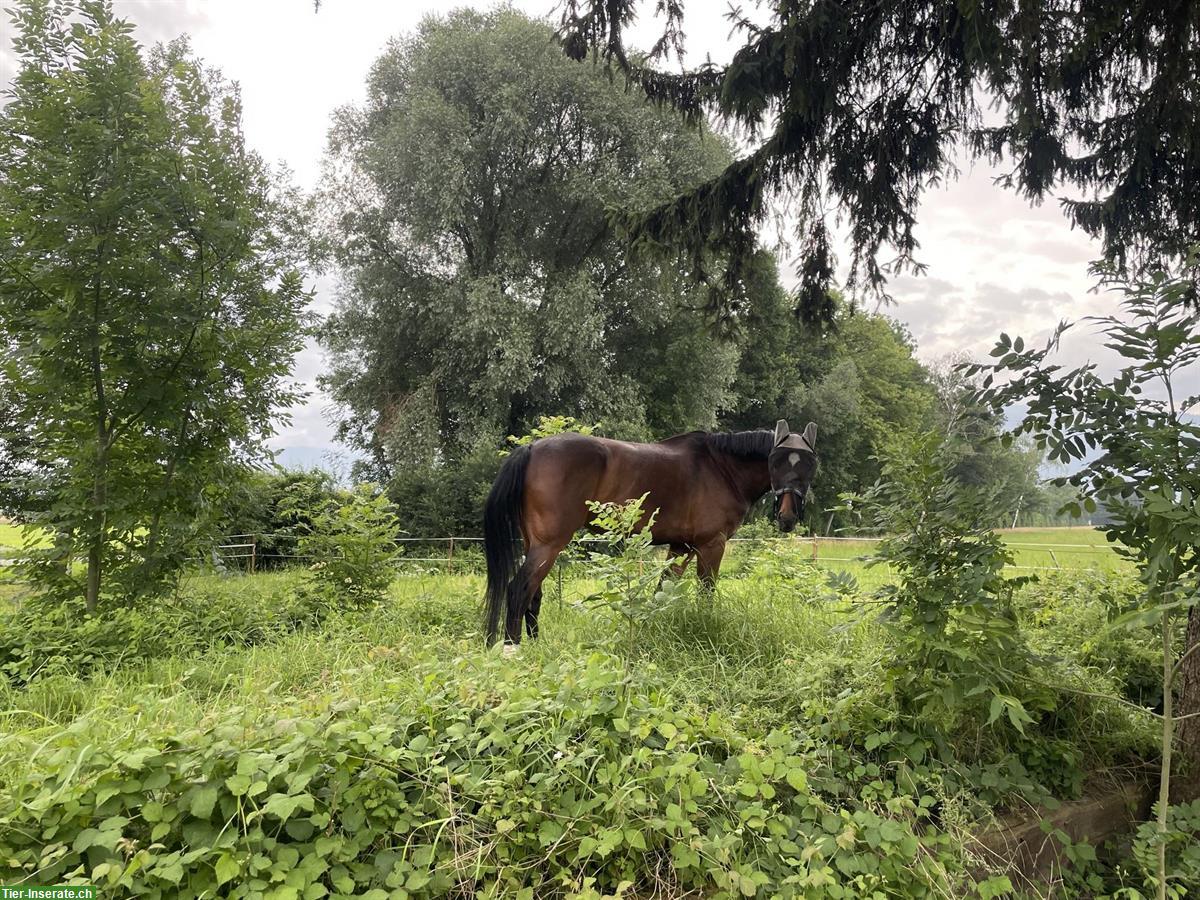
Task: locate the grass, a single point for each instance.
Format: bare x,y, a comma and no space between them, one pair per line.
13,536
750,650
775,650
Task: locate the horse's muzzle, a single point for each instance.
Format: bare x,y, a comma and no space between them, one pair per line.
786,522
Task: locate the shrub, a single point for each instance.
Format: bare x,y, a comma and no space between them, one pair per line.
276,507
958,651
43,638
480,778
354,547
625,562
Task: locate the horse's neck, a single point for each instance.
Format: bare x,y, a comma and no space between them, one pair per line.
749,476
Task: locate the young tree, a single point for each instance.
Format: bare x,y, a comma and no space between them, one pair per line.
150,290
860,107
1147,476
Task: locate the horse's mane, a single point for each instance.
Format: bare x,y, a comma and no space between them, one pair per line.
742,444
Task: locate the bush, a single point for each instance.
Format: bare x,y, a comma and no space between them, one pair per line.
354,547
445,500
47,638
476,777
1071,614
276,507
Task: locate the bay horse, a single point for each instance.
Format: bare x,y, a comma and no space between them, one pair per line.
701,483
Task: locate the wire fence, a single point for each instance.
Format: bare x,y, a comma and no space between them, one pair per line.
253,552
248,552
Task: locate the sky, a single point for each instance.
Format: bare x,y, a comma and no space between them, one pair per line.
995,263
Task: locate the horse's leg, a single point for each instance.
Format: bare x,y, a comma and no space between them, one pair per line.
708,561
526,601
680,555
531,614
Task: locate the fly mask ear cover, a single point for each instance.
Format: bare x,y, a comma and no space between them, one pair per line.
806,441
781,431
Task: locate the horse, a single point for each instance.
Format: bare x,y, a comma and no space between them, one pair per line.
701,483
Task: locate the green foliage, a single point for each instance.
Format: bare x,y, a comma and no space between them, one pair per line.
595,782
150,295
856,115
469,200
1145,478
548,426
1003,475
1071,614
1181,844
42,640
957,645
423,749
276,507
629,568
445,499
352,543
860,380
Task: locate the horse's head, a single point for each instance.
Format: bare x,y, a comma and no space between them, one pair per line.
792,465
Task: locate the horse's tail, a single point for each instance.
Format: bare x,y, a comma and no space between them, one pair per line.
502,535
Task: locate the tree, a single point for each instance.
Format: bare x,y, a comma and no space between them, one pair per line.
24,472
482,285
1004,475
150,291
860,107
1147,476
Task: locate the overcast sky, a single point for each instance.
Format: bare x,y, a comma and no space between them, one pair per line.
995,263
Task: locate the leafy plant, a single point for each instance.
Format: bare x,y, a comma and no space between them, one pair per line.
353,547
633,574
42,639
274,507
1145,476
468,777
957,644
1179,844
548,426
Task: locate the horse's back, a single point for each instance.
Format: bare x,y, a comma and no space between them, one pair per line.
568,470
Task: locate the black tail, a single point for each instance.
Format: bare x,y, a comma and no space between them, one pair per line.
502,535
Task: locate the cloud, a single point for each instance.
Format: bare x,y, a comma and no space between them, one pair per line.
163,20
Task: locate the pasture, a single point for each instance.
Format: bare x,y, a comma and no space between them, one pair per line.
551,289
247,734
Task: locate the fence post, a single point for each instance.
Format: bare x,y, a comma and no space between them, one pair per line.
558,566
253,552
450,564
814,550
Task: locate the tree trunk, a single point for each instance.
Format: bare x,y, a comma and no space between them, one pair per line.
96,545
93,570
1185,786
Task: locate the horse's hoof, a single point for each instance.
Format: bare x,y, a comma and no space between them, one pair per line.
510,650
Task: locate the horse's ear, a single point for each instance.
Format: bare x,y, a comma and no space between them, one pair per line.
810,435
781,431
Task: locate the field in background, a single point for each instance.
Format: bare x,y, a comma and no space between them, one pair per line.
1034,549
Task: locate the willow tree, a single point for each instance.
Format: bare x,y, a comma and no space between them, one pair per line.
857,108
482,285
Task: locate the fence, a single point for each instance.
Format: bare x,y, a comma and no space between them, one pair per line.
248,552
251,549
